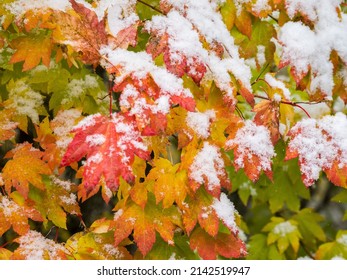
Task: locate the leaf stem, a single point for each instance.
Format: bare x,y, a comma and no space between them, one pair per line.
110,94
294,104
150,6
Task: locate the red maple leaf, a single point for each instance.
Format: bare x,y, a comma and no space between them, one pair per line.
109,144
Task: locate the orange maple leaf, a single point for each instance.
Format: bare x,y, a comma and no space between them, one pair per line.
26,166
31,49
7,127
145,222
110,144
15,212
208,247
253,149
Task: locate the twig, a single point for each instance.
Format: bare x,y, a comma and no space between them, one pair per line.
261,73
239,112
150,6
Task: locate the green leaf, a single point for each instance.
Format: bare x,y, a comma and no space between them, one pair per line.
260,250
336,249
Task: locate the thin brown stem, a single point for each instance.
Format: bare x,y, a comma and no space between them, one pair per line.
294,104
239,112
110,94
150,6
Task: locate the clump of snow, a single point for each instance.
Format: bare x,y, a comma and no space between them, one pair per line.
26,101
274,83
34,246
319,143
9,207
256,140
208,167
69,200
62,125
95,140
19,7
342,239
309,49
86,122
65,184
121,14
139,65
284,228
200,122
261,59
208,22
113,251
225,210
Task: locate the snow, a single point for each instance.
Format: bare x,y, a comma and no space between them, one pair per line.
139,65
342,239
66,185
274,83
261,59
320,143
309,49
113,251
200,122
19,7
26,101
255,140
62,125
86,122
284,228
206,21
34,245
69,200
207,166
95,140
9,207
225,210
121,14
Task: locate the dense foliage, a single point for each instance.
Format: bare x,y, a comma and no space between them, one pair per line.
173,129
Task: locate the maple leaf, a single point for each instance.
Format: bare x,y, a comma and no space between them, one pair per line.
15,212
84,32
110,144
284,233
56,200
31,49
145,222
170,183
253,149
267,114
319,145
7,127
223,244
198,208
207,168
96,246
26,166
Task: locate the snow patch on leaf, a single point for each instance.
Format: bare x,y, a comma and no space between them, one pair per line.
34,246
284,228
200,122
319,145
225,210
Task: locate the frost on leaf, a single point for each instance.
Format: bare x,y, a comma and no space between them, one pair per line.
25,167
145,223
208,247
309,49
34,246
14,212
208,169
253,149
109,144
320,145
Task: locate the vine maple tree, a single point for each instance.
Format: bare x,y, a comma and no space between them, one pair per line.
164,129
